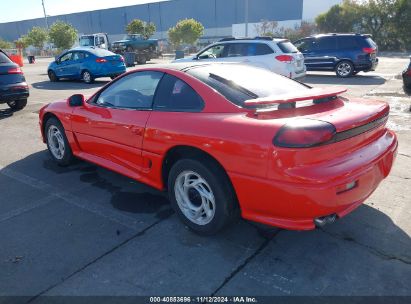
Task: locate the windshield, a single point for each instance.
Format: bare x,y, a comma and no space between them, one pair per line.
239,83
87,41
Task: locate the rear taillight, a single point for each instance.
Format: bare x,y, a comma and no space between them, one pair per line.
285,58
121,58
304,133
16,70
101,60
369,50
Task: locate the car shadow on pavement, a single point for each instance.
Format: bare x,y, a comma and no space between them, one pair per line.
367,235
366,223
332,79
68,85
6,113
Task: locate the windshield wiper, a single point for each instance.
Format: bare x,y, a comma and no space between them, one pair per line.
231,83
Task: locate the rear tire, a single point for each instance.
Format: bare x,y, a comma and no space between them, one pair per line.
344,69
142,60
57,142
87,77
52,76
201,195
17,105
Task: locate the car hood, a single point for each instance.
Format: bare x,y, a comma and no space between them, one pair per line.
185,59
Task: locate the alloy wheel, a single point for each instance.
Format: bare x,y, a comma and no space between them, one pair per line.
195,197
56,142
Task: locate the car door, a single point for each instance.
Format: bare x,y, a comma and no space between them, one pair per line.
62,65
75,64
323,55
215,53
111,125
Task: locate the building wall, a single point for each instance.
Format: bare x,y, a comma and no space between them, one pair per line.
217,16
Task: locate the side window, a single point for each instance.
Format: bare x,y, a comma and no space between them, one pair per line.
304,45
347,42
239,49
217,51
134,91
78,56
327,43
262,49
174,95
66,57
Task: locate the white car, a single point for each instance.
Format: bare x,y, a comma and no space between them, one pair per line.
277,55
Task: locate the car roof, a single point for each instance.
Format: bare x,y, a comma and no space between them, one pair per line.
264,40
185,66
338,35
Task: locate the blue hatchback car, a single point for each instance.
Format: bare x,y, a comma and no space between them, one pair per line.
86,64
346,54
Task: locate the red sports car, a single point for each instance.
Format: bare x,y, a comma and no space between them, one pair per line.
225,139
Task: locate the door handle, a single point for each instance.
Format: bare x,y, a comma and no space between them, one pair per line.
137,131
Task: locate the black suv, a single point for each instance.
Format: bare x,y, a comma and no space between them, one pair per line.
13,87
346,54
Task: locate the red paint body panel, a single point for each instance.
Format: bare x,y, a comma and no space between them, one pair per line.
284,187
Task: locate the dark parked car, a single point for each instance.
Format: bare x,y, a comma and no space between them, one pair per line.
13,87
406,76
346,54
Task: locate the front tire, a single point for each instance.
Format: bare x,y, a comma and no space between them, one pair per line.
17,105
344,69
142,60
201,195
87,77
57,142
52,76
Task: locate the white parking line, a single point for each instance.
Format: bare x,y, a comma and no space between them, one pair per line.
95,208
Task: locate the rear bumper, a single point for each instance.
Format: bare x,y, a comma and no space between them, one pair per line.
296,205
369,65
13,92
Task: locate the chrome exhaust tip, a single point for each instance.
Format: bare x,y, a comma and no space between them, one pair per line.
325,220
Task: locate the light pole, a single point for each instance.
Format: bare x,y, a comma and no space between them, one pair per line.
246,18
45,15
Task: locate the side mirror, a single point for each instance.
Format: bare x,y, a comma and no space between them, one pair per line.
77,100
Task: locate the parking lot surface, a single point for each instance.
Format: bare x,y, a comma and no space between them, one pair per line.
84,230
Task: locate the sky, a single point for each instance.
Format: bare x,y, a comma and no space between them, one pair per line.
14,10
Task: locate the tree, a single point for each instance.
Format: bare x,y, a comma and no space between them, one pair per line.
299,31
137,26
62,34
36,37
22,42
402,22
266,28
5,44
342,18
185,31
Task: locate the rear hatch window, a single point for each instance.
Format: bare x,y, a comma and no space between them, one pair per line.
4,58
370,43
287,47
239,83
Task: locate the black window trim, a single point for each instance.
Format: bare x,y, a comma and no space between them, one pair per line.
92,100
176,111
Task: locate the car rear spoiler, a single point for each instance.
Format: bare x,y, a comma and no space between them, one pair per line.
312,94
